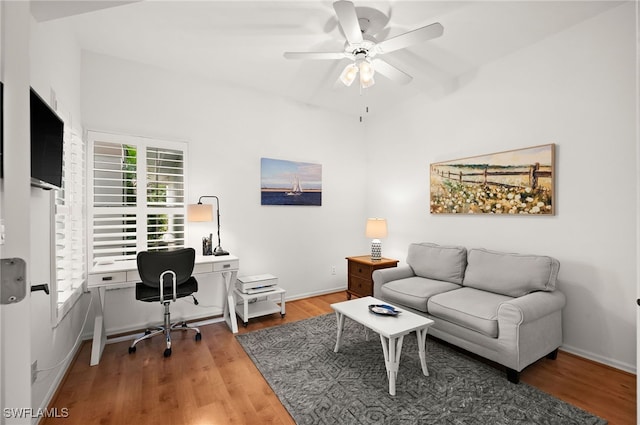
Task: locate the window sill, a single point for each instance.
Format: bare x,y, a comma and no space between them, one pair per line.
66,301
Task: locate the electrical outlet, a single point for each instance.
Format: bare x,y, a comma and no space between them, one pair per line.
34,371
333,269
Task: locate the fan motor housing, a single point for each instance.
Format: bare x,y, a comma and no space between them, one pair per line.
366,47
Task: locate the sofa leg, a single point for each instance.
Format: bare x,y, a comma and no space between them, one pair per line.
513,376
553,355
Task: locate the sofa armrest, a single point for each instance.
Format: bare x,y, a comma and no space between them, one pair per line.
531,307
382,276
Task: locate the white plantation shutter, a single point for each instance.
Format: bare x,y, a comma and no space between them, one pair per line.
137,195
165,198
165,178
69,226
114,200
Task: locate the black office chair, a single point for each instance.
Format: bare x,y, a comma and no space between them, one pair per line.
174,269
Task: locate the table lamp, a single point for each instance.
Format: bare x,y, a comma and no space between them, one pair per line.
376,229
204,212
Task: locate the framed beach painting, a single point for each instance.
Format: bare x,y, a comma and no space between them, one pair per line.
518,182
290,183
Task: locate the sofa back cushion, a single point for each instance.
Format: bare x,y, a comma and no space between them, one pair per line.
508,274
438,262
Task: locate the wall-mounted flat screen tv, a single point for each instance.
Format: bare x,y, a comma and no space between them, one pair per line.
47,131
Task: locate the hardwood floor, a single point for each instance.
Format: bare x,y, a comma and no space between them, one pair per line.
215,382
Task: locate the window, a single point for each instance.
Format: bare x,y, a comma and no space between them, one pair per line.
136,196
69,267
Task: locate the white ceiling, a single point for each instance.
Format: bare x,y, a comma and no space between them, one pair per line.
242,42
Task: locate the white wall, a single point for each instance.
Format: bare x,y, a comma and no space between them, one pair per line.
15,368
228,130
55,64
575,89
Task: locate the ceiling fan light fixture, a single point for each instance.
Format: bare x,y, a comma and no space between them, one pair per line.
365,84
349,74
361,27
366,74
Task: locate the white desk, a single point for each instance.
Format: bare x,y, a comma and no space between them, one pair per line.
122,274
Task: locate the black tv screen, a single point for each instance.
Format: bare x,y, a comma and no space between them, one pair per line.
46,145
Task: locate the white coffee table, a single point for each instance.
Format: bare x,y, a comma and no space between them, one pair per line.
391,329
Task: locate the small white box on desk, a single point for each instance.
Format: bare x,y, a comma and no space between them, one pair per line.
256,283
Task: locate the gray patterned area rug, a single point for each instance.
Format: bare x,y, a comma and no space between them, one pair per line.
318,386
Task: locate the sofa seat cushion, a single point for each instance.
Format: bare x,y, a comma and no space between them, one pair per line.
414,292
508,274
470,308
438,262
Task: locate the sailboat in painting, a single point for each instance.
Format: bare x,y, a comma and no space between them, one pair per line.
296,189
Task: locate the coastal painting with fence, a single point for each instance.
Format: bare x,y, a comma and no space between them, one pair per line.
512,182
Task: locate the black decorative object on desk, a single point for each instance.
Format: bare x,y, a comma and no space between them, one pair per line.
206,245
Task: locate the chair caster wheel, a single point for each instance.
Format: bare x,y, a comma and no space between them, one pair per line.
167,352
282,316
245,324
132,350
198,336
147,332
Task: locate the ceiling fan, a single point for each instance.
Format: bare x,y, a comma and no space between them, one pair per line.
362,47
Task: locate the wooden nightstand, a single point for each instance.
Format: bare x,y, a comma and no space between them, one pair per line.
359,271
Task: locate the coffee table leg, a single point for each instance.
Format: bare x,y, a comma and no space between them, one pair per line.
340,320
422,341
392,348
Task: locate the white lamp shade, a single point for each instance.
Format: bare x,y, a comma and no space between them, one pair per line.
200,212
376,228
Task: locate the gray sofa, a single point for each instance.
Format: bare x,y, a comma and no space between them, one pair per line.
501,306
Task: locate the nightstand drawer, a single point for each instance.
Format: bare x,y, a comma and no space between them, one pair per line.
362,287
360,270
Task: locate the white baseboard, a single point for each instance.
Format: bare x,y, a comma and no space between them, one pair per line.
132,336
201,321
138,326
316,293
62,370
599,359
195,317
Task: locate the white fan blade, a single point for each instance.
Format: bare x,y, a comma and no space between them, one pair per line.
314,55
348,19
391,72
409,38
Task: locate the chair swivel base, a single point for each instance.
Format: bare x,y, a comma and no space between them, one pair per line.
166,331
148,334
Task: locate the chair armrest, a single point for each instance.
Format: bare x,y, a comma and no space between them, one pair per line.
531,307
382,276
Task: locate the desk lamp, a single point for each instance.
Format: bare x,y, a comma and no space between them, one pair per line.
376,229
204,212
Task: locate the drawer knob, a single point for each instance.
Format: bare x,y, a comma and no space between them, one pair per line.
226,266
105,278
